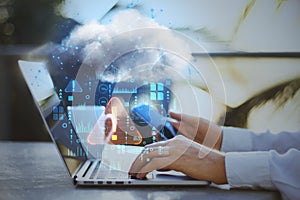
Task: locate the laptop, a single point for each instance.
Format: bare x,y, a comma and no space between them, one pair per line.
75,111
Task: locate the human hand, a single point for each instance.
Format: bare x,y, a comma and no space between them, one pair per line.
198,129
181,154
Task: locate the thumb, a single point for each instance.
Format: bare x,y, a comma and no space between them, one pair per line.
176,124
176,116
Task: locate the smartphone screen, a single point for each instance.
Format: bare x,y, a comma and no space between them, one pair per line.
155,120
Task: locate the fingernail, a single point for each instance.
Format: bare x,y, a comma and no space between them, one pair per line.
172,120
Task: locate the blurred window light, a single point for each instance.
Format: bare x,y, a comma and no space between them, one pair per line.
84,11
3,15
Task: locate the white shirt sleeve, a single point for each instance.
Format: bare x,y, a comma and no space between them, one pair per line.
238,139
265,169
248,169
251,162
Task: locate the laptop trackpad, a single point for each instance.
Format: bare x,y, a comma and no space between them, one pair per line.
177,178
171,175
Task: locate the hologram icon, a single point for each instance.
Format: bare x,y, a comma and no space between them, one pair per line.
73,86
120,126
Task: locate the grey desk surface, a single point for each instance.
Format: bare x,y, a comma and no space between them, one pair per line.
35,171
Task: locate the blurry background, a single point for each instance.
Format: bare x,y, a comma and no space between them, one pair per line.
255,44
24,26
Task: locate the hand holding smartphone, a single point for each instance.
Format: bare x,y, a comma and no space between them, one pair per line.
155,120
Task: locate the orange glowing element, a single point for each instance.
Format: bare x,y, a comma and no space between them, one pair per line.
97,135
115,127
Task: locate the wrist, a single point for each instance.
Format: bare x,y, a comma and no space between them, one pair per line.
211,134
220,170
215,170
218,145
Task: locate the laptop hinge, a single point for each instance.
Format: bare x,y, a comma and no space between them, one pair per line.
82,169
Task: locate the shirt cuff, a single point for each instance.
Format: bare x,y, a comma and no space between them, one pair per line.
248,169
236,139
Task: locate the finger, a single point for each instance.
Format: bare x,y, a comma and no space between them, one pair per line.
188,126
175,124
176,116
157,136
146,156
183,117
158,144
155,164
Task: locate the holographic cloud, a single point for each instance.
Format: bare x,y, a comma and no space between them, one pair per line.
100,45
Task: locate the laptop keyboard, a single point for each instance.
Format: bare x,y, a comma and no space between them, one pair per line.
105,172
113,174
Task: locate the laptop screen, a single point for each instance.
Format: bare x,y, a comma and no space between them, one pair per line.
54,113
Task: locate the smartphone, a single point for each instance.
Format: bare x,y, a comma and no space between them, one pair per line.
155,120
